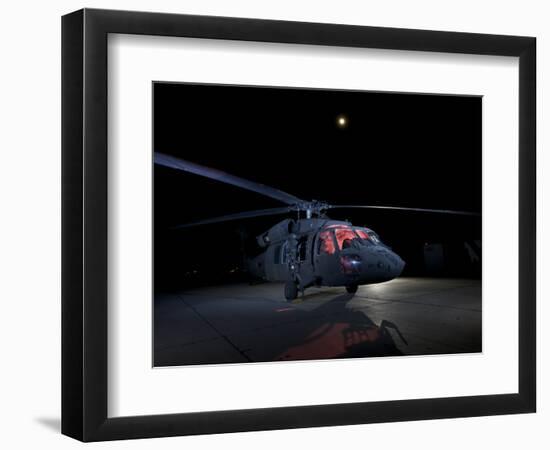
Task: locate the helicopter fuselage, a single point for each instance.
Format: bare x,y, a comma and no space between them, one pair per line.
324,252
311,251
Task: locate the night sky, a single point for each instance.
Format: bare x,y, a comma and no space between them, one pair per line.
394,149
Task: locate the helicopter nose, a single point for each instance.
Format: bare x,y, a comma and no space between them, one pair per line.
390,264
382,264
396,264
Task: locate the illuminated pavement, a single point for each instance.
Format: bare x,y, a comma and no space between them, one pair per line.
239,323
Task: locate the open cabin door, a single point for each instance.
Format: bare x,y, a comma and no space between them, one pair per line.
325,258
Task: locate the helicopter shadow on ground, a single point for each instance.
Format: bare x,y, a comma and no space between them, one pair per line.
331,330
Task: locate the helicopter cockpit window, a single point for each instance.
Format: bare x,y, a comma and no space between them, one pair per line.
345,237
362,233
326,243
368,235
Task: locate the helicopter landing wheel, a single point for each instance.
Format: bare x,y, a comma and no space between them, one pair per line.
291,290
351,289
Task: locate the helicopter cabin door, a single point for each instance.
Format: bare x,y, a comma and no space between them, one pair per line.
325,259
304,254
281,255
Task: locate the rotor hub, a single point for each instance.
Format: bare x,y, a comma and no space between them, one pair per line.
312,208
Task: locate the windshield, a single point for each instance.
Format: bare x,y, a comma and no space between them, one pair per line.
368,235
344,236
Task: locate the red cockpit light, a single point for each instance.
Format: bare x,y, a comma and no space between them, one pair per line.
362,234
326,242
343,235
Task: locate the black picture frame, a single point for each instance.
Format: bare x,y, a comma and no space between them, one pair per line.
84,224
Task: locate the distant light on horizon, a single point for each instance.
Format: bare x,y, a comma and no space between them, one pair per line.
342,121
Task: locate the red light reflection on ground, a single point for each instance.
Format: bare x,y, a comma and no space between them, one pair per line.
331,341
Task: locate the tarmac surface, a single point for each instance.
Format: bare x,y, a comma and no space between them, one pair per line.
252,323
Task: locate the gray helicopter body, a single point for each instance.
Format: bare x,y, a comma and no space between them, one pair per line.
323,252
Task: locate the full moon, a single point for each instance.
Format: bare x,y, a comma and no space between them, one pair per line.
342,121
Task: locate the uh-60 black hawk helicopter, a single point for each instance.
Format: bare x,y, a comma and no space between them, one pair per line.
311,250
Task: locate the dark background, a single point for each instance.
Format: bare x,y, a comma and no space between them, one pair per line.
398,149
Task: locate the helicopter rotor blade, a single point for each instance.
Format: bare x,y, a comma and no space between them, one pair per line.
402,208
214,174
236,216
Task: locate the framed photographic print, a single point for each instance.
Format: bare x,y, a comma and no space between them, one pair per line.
273,224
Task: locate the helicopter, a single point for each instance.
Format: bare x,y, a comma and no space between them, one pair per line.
313,249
